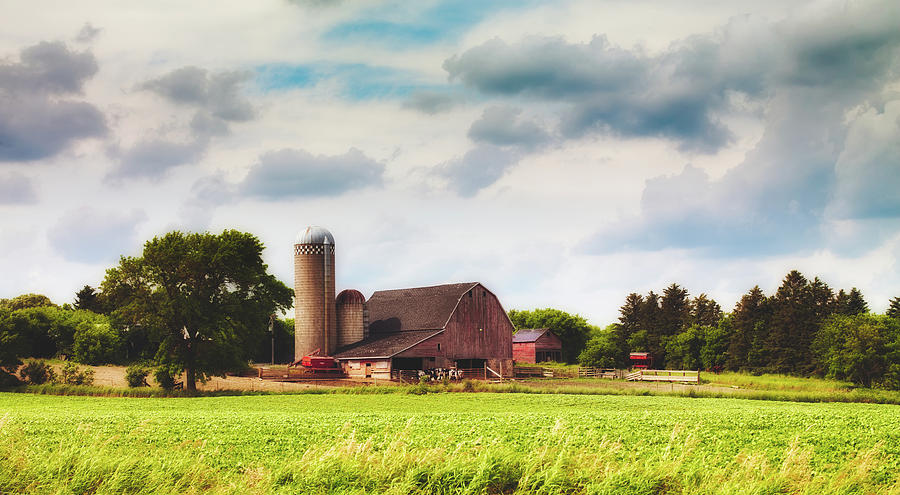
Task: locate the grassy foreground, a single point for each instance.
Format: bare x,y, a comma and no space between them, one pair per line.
444,443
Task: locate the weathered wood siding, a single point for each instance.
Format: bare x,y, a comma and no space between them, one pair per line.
431,347
479,328
378,368
548,342
523,352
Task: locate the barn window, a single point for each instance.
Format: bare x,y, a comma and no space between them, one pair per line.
439,346
470,294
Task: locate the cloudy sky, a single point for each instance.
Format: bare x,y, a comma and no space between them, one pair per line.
564,153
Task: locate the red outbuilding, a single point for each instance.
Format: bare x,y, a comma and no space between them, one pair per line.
536,345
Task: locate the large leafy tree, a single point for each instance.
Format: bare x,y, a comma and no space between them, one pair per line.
207,299
26,301
858,347
11,349
605,349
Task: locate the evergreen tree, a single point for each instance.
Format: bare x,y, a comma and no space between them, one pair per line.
841,303
856,305
87,299
798,309
630,314
630,320
675,310
749,325
894,308
705,312
821,298
651,330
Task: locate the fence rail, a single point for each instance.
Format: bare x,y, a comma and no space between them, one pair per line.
681,376
600,373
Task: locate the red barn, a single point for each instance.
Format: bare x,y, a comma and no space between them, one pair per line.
536,345
444,326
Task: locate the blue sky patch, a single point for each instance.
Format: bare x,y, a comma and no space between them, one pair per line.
357,81
439,21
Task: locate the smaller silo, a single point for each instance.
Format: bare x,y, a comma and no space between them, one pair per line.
352,317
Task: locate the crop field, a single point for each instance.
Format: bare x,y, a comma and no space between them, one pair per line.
445,443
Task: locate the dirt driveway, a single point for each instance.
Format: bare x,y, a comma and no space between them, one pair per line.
114,376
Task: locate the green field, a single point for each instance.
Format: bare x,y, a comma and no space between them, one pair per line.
445,443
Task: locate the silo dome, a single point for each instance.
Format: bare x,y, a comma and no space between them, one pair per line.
314,235
351,296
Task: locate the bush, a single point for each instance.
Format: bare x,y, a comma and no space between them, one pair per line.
8,380
96,343
72,375
136,375
164,378
37,373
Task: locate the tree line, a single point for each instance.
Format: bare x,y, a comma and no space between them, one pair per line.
805,328
194,303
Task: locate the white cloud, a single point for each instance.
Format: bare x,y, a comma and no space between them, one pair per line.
457,194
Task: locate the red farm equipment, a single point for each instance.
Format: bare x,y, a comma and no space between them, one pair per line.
315,365
640,360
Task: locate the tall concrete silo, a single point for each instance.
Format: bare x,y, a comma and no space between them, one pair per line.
315,325
352,317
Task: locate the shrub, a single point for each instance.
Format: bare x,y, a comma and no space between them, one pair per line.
8,380
136,375
72,375
37,372
96,343
164,378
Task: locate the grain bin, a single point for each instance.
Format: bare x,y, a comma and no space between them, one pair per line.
315,325
352,317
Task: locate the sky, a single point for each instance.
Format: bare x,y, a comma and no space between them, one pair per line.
563,153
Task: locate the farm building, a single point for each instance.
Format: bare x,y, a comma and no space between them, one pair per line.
536,345
445,326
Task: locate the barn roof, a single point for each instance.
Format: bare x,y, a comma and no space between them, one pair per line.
385,345
528,335
418,308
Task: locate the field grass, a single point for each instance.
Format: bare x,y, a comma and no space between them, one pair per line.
777,382
726,385
444,443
